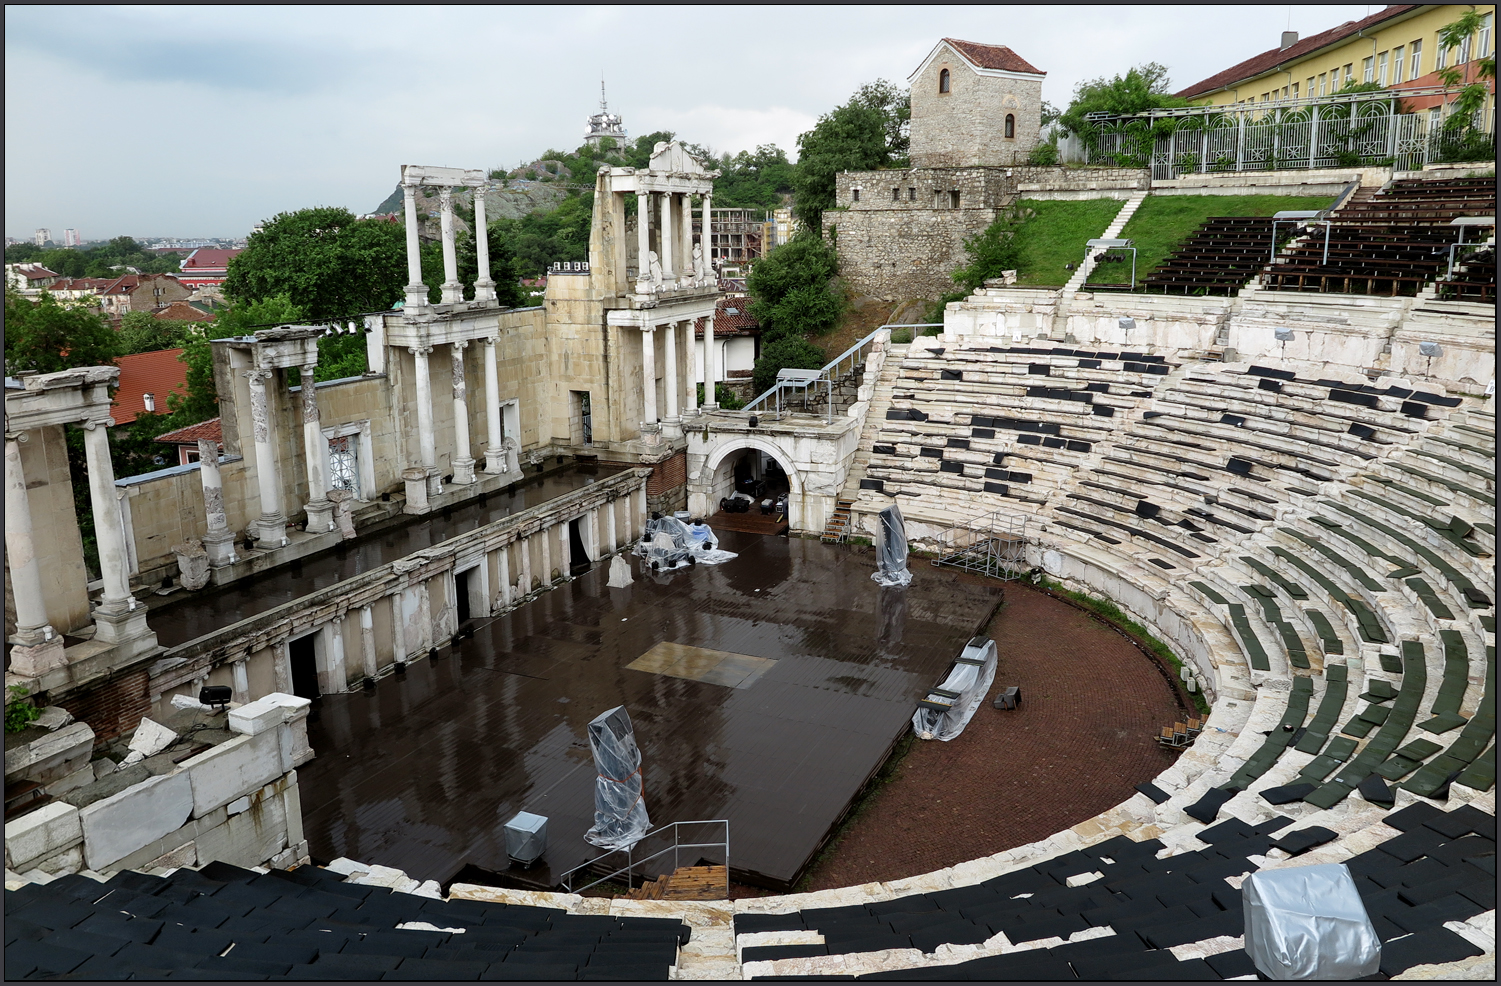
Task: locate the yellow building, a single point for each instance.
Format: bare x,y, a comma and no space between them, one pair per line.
1397,48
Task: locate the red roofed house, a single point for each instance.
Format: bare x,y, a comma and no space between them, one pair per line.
737,337
145,381
183,311
142,293
974,104
29,278
206,267
186,439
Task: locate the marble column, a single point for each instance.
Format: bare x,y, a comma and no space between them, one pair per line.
690,345
546,540
425,616
643,240
37,647
426,446
484,287
320,511
398,627
281,658
338,677
648,379
367,641
524,546
108,528
503,561
271,528
463,462
711,365
664,239
706,235
416,291
671,376
453,291
219,542
495,456
685,241
241,677
610,539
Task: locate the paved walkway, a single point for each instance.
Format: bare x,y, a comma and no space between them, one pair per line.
1081,741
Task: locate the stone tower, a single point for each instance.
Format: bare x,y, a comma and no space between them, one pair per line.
974,105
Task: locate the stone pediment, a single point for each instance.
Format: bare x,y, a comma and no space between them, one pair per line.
674,157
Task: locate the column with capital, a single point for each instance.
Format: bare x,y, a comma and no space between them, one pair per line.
495,455
670,345
463,460
416,291
484,286
271,528
685,243
219,542
118,619
320,511
648,379
453,291
690,346
36,647
426,447
711,365
664,239
643,241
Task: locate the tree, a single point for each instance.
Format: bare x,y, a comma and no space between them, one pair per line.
791,288
142,332
990,253
504,270
894,103
1145,87
1462,139
47,336
324,261
791,352
753,180
852,137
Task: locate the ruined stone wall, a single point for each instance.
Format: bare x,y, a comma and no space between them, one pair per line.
966,126
54,525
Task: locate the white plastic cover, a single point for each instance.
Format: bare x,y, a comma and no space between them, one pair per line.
526,837
668,543
891,549
1308,922
619,799
966,687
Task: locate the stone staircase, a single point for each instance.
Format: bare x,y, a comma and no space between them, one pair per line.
1076,283
880,403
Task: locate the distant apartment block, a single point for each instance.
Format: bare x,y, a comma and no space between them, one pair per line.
42,236
71,238
206,267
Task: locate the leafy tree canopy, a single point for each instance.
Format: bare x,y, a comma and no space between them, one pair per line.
866,133
1145,87
753,179
791,352
97,260
791,288
326,262
142,332
46,335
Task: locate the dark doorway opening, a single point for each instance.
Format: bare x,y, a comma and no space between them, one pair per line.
578,557
461,589
304,661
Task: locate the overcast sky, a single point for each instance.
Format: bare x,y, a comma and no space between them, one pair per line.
200,121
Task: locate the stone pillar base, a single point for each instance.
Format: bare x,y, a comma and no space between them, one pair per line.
463,472
320,516
496,461
34,660
416,484
220,548
127,631
672,428
434,483
416,296
270,532
651,432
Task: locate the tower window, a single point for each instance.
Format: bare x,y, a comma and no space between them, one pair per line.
1010,125
896,195
911,195
855,194
943,80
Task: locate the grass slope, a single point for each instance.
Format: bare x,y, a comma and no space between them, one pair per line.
1054,235
1165,221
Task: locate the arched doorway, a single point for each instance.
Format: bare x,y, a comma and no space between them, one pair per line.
754,467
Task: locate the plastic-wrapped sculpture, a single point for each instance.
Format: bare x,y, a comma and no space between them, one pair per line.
668,543
947,709
1308,922
891,552
620,819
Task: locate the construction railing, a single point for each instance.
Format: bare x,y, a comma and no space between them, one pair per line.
634,865
837,369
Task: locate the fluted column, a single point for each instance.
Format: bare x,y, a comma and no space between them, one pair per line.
219,542
690,345
271,528
416,291
463,462
648,378
495,456
425,444
37,646
453,291
503,561
484,287
685,240
320,511
643,240
671,346
610,533
664,239
711,365
368,659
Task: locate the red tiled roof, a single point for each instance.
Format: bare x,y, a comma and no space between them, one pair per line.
181,311
124,284
158,374
34,272
208,258
992,56
211,430
1270,59
731,318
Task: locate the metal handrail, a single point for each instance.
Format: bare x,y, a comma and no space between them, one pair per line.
631,863
828,374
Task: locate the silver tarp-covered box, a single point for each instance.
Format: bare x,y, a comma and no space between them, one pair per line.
1308,922
891,549
668,543
947,709
619,801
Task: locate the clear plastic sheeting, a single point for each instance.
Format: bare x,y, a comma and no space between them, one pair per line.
668,543
1308,922
891,552
619,799
946,710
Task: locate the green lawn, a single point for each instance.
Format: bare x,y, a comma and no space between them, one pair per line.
1054,235
1165,221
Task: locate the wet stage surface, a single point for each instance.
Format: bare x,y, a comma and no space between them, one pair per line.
792,676
178,622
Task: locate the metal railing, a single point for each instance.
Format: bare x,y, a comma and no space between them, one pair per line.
993,545
632,864
830,374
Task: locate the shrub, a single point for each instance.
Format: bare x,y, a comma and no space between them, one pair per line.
1043,155
19,712
790,352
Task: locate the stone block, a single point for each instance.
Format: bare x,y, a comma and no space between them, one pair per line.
232,770
59,863
41,757
293,798
54,718
257,717
49,829
119,825
150,739
250,838
238,805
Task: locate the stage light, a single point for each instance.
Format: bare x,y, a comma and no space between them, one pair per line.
1127,322
215,695
1430,349
1284,334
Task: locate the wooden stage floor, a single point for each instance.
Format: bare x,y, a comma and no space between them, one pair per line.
820,672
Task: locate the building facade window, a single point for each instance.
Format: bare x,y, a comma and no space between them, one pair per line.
1323,82
953,200
1349,73
855,194
1485,36
1010,125
1381,68
1415,51
943,80
1443,58
896,195
1397,56
911,195
1295,90
1464,51
1368,69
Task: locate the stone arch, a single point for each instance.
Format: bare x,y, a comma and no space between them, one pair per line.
740,443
